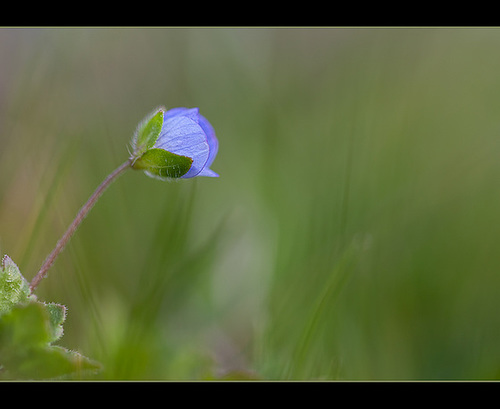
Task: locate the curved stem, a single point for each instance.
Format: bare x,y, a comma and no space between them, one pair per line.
76,222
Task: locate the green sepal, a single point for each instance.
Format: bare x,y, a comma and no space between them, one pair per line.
147,132
162,164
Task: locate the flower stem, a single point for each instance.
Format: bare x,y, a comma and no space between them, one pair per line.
76,222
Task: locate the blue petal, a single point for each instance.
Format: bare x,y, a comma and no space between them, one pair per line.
205,172
191,113
213,143
181,134
186,132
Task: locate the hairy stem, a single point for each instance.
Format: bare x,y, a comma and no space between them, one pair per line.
76,222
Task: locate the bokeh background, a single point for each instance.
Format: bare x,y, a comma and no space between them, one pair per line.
353,233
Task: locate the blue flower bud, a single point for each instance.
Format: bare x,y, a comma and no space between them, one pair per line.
185,146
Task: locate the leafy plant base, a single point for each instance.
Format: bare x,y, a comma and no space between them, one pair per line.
27,330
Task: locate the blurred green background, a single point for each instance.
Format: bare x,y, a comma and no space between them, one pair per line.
353,233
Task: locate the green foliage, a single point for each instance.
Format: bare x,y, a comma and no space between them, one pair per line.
163,164
327,136
147,132
14,288
156,162
57,315
28,328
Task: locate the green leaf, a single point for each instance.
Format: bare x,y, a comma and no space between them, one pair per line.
57,315
147,132
25,351
49,363
163,164
27,329
21,328
14,289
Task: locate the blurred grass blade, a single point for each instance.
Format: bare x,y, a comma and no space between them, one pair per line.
337,279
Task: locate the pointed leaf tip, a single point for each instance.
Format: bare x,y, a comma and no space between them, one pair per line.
147,132
14,288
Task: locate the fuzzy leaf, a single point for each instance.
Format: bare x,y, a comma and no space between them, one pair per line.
23,327
27,329
57,315
147,132
25,351
163,164
14,289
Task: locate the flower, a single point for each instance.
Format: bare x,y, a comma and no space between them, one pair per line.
188,133
185,146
